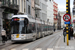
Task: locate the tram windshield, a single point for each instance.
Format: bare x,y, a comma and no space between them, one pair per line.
18,27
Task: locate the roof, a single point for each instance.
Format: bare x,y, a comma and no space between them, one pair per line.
20,16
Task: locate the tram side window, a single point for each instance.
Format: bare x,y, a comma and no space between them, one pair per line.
31,28
42,27
39,27
49,27
45,27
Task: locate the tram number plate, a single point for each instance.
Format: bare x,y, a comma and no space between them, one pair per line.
17,36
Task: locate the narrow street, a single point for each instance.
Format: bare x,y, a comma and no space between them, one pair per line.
45,43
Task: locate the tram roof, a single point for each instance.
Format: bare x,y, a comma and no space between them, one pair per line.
20,16
26,16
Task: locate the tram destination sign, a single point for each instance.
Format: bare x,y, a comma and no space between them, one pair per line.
66,17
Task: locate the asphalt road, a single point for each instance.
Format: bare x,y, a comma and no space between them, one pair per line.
45,43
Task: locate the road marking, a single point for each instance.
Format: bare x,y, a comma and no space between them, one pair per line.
50,49
38,49
13,49
25,49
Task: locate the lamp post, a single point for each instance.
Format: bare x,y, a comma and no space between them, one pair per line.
68,25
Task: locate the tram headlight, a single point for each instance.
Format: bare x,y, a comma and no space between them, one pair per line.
12,35
23,35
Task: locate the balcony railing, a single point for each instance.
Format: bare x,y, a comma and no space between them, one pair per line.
37,2
14,6
8,4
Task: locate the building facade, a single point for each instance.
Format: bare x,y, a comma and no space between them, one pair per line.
33,8
74,13
59,21
7,8
55,6
43,11
37,8
62,21
50,11
25,7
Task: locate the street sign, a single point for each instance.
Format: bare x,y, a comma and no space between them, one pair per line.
67,22
66,17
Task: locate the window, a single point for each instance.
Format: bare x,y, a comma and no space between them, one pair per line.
14,2
31,28
50,0
28,9
27,0
22,3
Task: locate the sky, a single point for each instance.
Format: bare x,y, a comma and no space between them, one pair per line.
62,5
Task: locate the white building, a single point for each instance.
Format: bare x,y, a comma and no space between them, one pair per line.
24,7
50,11
62,21
43,12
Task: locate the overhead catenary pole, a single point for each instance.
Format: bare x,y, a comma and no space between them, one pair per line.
68,25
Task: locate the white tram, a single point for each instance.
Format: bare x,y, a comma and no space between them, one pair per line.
24,28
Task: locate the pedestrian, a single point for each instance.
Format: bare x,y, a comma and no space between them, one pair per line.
64,33
71,33
54,29
4,37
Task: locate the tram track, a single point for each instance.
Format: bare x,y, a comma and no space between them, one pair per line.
42,45
38,43
29,44
11,45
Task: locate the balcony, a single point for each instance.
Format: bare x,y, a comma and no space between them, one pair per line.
37,4
16,7
9,5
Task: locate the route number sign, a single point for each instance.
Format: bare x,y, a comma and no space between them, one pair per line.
66,17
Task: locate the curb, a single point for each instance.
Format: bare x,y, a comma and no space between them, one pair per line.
57,31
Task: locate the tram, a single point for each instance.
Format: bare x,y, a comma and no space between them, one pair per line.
24,28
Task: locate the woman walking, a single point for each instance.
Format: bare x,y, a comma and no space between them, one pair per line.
4,37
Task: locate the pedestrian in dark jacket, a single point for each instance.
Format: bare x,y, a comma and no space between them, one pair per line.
71,33
3,34
54,29
64,31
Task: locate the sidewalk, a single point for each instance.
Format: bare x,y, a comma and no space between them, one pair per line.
61,45
9,41
57,31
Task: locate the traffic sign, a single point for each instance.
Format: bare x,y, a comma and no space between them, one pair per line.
67,22
66,17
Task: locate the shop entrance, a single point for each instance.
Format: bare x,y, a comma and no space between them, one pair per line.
6,25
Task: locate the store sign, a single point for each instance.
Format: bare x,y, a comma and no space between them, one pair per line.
10,16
